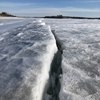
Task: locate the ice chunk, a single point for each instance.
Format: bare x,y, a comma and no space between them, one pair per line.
26,53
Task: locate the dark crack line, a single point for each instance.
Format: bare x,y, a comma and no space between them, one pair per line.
53,86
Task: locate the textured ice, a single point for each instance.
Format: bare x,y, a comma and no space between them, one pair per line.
81,58
10,23
27,47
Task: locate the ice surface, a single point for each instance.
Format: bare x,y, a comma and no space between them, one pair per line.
81,58
27,47
10,23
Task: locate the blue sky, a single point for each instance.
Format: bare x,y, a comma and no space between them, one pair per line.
87,8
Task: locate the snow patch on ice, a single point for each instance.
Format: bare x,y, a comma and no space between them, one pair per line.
11,18
19,34
1,24
1,38
42,23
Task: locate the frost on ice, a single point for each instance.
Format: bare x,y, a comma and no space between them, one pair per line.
81,58
26,51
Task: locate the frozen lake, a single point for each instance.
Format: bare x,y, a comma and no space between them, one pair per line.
27,47
81,58
27,51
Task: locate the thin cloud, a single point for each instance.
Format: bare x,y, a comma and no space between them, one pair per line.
39,9
67,9
88,1
72,9
10,4
52,11
84,1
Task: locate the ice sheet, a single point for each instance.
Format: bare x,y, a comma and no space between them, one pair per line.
8,23
81,58
26,52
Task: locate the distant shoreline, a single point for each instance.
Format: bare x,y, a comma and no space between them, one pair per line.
69,17
5,14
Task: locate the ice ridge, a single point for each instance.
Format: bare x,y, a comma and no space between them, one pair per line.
53,87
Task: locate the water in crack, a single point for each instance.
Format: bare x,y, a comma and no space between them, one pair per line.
53,86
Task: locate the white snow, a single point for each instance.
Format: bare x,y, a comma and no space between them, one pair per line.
81,58
27,47
11,18
1,24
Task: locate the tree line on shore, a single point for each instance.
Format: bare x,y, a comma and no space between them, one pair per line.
5,14
71,17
